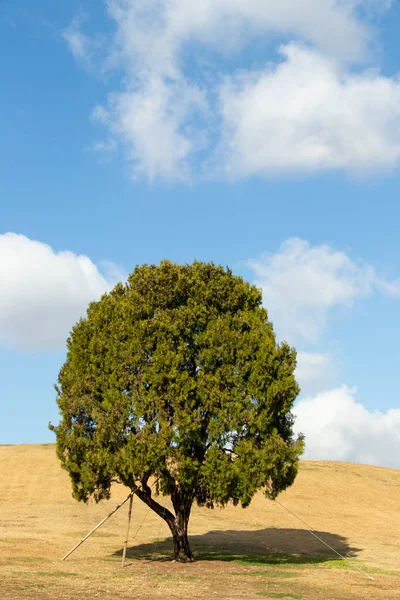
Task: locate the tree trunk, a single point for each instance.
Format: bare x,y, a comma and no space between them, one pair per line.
177,523
179,527
182,502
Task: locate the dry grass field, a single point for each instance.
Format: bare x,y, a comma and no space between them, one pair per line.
261,551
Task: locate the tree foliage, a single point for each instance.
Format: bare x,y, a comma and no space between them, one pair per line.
176,376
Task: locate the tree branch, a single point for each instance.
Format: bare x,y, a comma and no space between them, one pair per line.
145,496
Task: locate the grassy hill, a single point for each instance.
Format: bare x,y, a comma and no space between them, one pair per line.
260,551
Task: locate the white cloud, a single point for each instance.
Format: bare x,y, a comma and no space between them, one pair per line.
80,45
315,371
154,122
301,284
43,293
155,32
337,427
376,8
308,113
107,147
391,288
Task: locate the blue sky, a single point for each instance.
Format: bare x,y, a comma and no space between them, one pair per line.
265,137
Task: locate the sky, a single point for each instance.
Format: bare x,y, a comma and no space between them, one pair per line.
263,135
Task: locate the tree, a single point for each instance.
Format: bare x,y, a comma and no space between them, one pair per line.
176,376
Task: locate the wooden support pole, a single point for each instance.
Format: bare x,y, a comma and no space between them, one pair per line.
127,531
99,525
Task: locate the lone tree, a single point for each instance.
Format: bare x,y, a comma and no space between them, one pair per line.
176,377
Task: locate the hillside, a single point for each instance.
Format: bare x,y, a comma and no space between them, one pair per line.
354,508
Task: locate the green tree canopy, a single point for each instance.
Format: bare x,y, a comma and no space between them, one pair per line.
176,376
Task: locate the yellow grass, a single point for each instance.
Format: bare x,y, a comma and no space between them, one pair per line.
261,551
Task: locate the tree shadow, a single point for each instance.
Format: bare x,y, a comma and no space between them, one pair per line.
271,546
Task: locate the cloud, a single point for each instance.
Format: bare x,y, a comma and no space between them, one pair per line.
302,283
155,124
337,427
107,147
80,45
391,288
307,113
376,8
155,33
43,293
315,371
